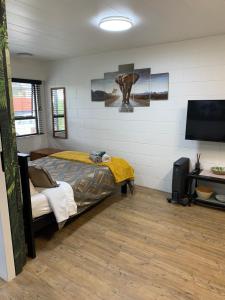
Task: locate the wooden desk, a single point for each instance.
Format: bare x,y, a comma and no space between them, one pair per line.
36,154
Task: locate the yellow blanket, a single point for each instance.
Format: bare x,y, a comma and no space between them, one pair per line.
119,167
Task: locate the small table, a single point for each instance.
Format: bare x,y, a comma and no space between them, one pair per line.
194,178
36,154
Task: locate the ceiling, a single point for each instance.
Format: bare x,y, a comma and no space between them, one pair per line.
56,29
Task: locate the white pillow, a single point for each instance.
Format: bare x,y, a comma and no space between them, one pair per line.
33,191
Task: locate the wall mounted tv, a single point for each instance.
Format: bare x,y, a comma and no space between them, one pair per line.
206,120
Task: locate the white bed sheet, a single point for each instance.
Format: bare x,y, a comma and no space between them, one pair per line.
40,205
61,201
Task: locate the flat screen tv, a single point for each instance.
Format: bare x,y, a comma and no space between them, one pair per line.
206,120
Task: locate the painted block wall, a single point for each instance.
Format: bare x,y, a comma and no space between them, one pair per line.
150,138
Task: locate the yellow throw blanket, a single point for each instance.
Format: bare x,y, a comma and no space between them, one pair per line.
119,167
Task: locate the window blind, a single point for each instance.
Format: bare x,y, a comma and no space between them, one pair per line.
27,106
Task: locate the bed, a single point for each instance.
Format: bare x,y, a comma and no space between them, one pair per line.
90,183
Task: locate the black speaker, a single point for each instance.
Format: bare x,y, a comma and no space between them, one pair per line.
179,182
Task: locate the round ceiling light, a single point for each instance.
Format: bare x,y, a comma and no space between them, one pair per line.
115,24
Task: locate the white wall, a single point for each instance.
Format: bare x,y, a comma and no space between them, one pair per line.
7,268
29,68
150,138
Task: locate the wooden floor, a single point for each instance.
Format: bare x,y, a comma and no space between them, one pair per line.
136,247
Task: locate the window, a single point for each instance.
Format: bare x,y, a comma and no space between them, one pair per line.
58,97
27,106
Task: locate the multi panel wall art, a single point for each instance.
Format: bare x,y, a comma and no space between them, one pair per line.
129,87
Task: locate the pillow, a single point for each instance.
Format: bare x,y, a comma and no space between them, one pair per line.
33,191
40,177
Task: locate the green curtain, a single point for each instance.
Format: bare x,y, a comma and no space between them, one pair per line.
9,157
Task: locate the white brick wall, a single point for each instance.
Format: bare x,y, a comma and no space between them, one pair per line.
150,138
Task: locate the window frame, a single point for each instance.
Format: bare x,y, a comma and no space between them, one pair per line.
59,115
37,115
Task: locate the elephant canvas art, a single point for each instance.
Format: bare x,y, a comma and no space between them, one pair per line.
126,88
125,82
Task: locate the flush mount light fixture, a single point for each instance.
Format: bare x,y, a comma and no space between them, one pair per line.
115,24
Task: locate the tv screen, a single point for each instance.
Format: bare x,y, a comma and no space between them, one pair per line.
206,120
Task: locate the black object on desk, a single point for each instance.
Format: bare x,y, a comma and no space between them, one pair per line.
179,181
193,179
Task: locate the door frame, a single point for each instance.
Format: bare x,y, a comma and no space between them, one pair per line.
9,156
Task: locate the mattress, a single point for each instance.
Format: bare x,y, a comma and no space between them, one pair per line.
40,205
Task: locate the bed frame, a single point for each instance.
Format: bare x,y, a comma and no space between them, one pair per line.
33,226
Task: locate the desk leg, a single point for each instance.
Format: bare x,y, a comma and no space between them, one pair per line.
124,188
196,185
190,199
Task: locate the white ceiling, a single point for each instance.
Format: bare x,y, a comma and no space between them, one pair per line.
55,29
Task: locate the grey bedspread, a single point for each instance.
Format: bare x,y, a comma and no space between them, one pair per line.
90,183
